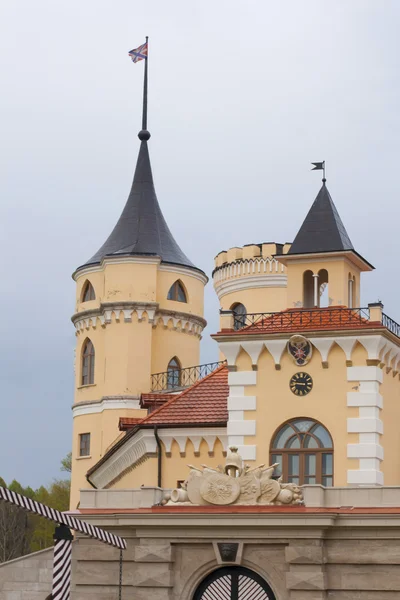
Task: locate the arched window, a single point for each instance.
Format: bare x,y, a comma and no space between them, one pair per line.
88,292
239,315
308,289
177,292
304,450
174,373
87,363
323,283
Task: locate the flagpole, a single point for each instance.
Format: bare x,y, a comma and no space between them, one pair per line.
144,117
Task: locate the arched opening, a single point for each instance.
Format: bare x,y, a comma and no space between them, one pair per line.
239,315
88,292
233,583
323,286
177,292
304,450
88,357
174,373
351,291
308,289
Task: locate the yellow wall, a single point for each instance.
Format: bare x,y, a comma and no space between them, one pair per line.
390,416
338,273
128,352
271,299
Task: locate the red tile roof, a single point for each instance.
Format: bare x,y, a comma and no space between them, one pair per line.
205,402
126,423
299,320
155,400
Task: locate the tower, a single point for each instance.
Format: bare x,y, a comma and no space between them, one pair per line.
139,311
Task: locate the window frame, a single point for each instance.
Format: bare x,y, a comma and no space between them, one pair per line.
173,292
88,378
282,454
174,370
83,444
88,289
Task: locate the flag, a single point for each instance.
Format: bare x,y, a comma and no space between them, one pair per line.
318,166
139,53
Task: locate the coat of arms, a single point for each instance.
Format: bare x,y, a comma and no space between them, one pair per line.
300,349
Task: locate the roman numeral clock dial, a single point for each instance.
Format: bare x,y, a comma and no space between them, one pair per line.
301,384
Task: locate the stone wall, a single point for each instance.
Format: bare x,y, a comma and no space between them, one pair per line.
28,577
308,556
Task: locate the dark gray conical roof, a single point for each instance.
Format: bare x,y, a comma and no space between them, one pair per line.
141,228
322,229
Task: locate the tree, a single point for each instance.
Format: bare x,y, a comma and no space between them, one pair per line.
66,463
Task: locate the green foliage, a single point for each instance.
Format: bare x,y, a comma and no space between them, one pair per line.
66,463
21,532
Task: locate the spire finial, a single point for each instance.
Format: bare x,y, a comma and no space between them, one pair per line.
144,135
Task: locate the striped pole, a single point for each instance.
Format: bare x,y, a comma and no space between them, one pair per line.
62,563
56,516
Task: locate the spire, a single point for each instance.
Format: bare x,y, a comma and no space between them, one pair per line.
322,229
141,228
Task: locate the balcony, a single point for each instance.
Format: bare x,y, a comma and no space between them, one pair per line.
179,379
313,319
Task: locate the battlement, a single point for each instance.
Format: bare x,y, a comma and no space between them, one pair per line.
249,252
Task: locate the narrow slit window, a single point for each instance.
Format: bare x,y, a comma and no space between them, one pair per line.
84,444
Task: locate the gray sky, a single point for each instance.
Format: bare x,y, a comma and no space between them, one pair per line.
243,96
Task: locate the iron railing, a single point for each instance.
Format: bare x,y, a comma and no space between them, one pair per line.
391,325
175,379
301,318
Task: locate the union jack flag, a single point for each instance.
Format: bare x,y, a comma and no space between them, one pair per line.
139,53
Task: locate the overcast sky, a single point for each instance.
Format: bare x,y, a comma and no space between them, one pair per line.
243,96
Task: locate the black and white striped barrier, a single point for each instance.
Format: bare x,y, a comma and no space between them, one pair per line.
62,538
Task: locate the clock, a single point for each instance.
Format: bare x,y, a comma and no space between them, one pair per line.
301,384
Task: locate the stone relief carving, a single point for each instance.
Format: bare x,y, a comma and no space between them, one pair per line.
300,349
235,483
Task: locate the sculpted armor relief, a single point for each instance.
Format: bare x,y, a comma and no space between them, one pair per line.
235,483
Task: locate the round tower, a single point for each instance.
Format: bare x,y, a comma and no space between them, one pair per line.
139,314
251,279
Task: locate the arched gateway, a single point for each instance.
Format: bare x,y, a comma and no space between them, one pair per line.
233,583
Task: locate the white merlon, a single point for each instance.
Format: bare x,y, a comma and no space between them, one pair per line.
364,399
365,477
364,425
253,349
241,427
365,451
241,403
242,378
248,452
364,374
323,345
230,350
276,348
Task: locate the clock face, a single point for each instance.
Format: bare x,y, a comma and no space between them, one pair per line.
301,384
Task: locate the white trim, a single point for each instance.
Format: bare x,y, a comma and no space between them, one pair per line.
242,378
90,407
241,428
247,452
241,403
230,350
253,349
323,345
364,374
184,271
365,451
248,282
130,454
364,425
276,348
365,477
364,399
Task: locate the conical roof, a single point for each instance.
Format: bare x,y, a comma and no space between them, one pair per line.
141,228
322,229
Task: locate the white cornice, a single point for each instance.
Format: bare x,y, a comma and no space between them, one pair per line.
184,271
109,403
247,282
142,445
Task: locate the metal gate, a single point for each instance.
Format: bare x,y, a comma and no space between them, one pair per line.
234,583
